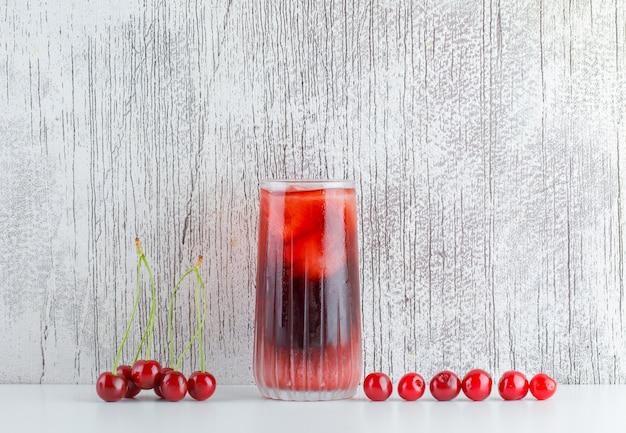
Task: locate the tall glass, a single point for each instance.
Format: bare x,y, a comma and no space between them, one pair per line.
307,343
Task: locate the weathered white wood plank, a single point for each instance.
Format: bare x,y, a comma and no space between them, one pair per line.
487,140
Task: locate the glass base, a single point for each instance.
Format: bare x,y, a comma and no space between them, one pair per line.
289,395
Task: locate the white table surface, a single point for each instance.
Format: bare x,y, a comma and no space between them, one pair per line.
77,408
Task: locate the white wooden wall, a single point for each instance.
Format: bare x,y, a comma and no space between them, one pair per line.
487,139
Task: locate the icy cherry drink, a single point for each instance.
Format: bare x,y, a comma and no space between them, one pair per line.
308,324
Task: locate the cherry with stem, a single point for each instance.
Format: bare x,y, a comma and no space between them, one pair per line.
146,373
201,384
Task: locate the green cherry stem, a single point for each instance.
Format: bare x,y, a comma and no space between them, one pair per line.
170,316
200,326
200,319
149,332
132,316
152,308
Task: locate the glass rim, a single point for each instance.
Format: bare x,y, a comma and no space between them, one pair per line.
279,185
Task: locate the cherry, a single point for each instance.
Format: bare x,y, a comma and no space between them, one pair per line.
513,385
445,385
111,387
377,386
146,373
133,390
201,385
411,386
173,386
476,384
157,387
542,386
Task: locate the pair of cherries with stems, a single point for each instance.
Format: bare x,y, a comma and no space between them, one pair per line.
173,386
118,383
124,381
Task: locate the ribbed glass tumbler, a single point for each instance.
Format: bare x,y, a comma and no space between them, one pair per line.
307,343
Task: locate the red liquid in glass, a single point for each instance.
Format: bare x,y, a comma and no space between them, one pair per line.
308,328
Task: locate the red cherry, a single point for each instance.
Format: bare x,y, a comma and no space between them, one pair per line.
111,387
542,386
377,386
173,386
201,385
476,384
445,386
157,387
411,386
132,390
146,373
513,385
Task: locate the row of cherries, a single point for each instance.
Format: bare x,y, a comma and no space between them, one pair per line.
124,381
446,385
166,382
